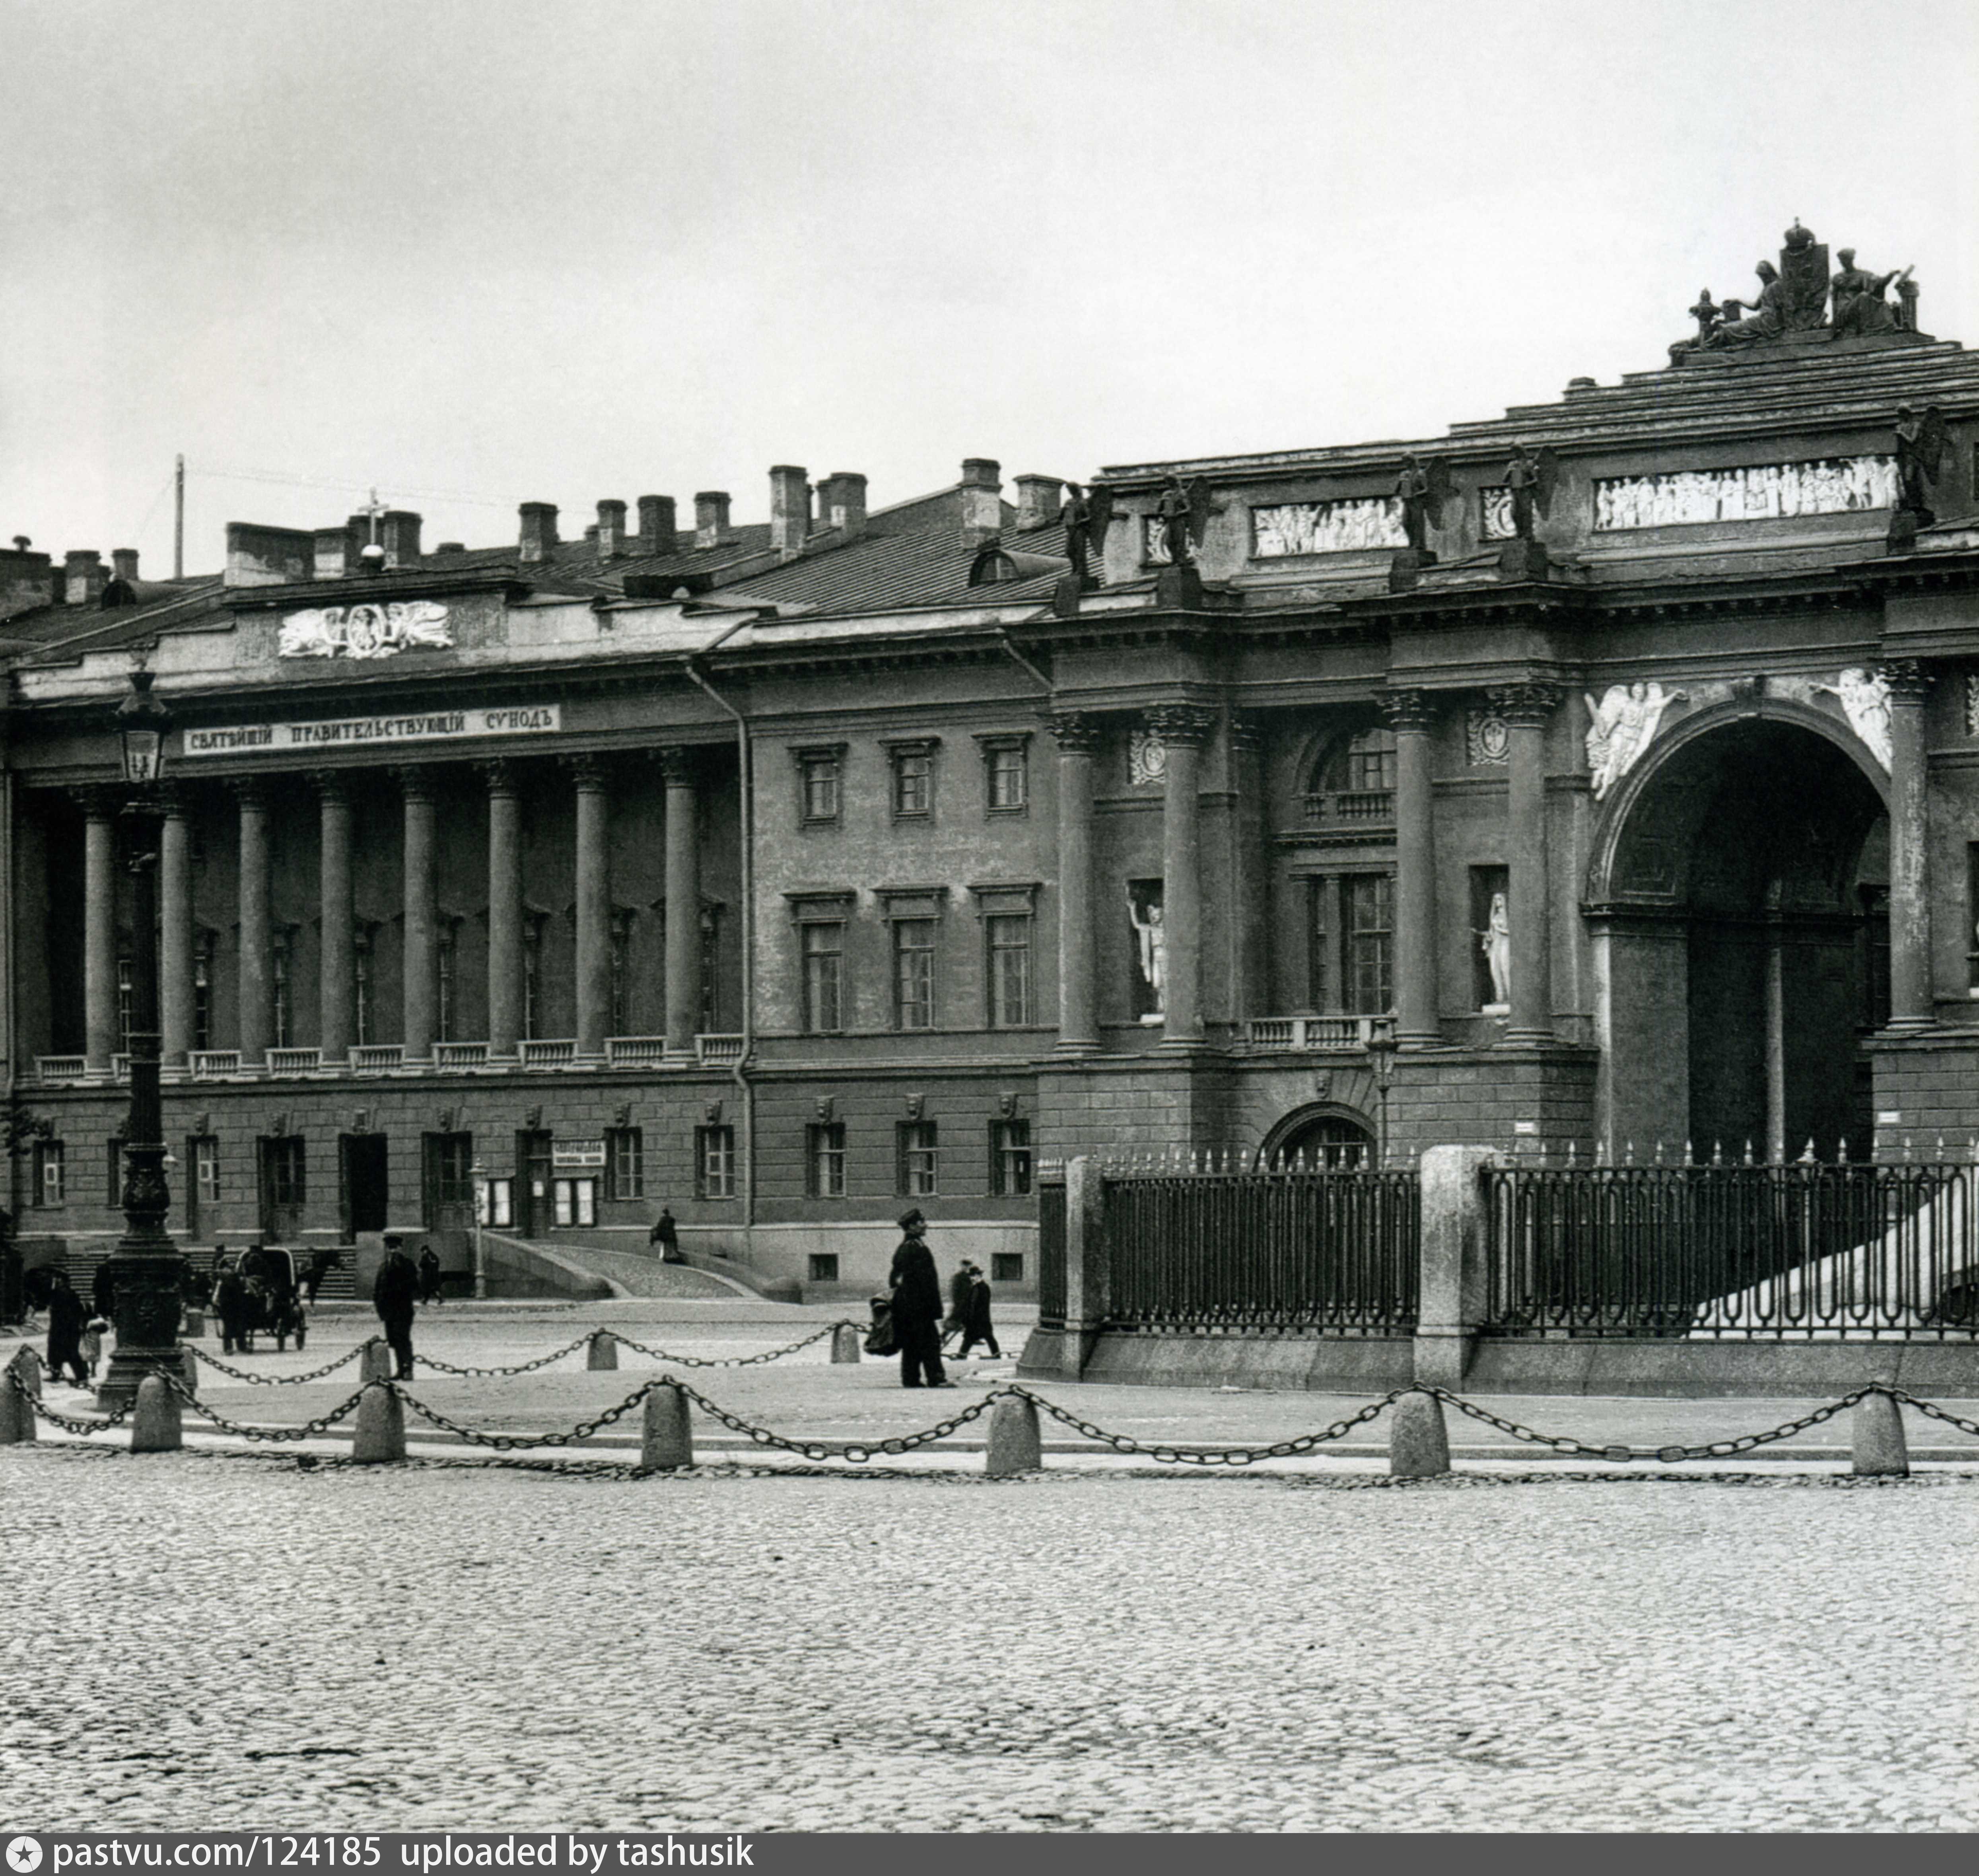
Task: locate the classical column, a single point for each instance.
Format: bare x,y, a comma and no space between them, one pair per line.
1527,709
683,902
1909,885
594,907
99,928
337,979
504,910
1184,730
1410,716
1077,740
1250,913
422,908
257,1026
175,934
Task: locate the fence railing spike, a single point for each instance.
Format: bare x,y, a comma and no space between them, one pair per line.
1806,1152
1908,1155
1841,1150
1629,1153
1659,1159
1572,1153
1688,1160
1940,1149
1748,1152
1717,1152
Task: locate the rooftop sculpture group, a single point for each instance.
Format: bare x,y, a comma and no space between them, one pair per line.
1796,296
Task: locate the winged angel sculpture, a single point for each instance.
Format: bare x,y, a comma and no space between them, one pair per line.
1422,491
1085,517
1531,478
1182,515
366,630
1621,727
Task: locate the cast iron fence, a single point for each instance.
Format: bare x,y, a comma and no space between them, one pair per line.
1051,1254
1330,1253
1802,1251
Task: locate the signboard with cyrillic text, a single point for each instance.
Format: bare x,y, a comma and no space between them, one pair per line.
429,726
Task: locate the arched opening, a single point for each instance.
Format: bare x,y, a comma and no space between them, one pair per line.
1334,1138
1745,934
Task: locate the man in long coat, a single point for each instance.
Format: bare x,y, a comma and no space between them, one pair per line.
916,1288
67,1320
394,1295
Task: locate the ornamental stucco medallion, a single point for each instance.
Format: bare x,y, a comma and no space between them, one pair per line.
1146,758
366,630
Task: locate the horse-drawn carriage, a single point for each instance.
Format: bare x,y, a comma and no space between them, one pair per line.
261,1294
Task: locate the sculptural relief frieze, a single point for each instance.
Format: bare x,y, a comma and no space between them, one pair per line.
1621,727
1354,524
1763,492
366,630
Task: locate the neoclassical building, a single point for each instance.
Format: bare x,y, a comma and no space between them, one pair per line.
1604,777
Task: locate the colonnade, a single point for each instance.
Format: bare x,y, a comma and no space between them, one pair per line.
591,779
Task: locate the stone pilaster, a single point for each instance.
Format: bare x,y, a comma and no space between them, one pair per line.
1077,740
504,910
1411,716
683,888
337,975
1527,709
1910,1007
1184,730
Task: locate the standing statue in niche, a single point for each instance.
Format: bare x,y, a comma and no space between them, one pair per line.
1531,477
1182,513
1495,943
1085,517
1621,727
1153,940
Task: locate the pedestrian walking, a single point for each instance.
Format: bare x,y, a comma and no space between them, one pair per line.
429,1275
103,1291
916,1288
320,1265
666,1234
958,1302
67,1320
230,1298
975,1325
394,1295
93,1333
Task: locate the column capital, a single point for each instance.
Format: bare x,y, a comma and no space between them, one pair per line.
1526,706
1247,731
678,764
1077,732
591,772
415,781
503,775
1182,726
250,791
174,799
99,801
1408,710
1907,680
332,788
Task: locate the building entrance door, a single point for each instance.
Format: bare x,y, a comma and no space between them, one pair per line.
361,1168
532,1182
1746,927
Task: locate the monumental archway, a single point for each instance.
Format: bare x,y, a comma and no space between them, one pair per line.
1739,899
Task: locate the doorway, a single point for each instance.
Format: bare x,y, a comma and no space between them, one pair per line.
362,1165
532,1170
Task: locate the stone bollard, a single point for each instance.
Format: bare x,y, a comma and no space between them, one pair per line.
603,1352
845,1343
666,1435
381,1429
1876,1431
1015,1446
27,1364
156,1426
17,1412
1418,1446
188,1369
376,1365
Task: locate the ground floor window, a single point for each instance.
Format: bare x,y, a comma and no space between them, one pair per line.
1007,1266
625,1163
496,1206
824,1160
285,1170
574,1202
51,1176
1010,1158
205,1168
824,1267
919,1158
715,1162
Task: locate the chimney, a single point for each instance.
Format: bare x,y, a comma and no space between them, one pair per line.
656,526
710,518
124,563
337,550
451,547
982,501
399,531
539,534
84,581
27,579
262,556
1039,497
611,530
841,501
790,510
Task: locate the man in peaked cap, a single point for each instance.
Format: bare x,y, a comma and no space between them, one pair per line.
916,1288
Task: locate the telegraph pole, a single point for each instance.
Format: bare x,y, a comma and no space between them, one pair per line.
178,519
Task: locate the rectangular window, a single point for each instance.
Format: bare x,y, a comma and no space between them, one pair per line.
206,1169
114,1190
913,783
496,1205
819,776
202,992
1007,1266
287,1170
824,1267
1367,972
625,1163
1010,1158
715,1162
920,1155
50,1179
823,966
447,953
1009,936
575,1202
1009,779
360,981
914,973
824,1160
281,950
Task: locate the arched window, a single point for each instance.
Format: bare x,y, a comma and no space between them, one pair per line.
993,567
1355,779
1327,1143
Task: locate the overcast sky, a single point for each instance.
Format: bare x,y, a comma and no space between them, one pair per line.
479,252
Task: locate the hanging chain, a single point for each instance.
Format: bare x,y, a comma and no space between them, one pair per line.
514,1442
1208,1456
282,1381
1670,1455
520,1367
69,1422
730,1361
308,1429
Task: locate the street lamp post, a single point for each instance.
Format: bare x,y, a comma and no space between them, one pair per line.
148,1270
479,1174
1381,1059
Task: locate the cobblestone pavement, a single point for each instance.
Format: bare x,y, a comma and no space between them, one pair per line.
233,1642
